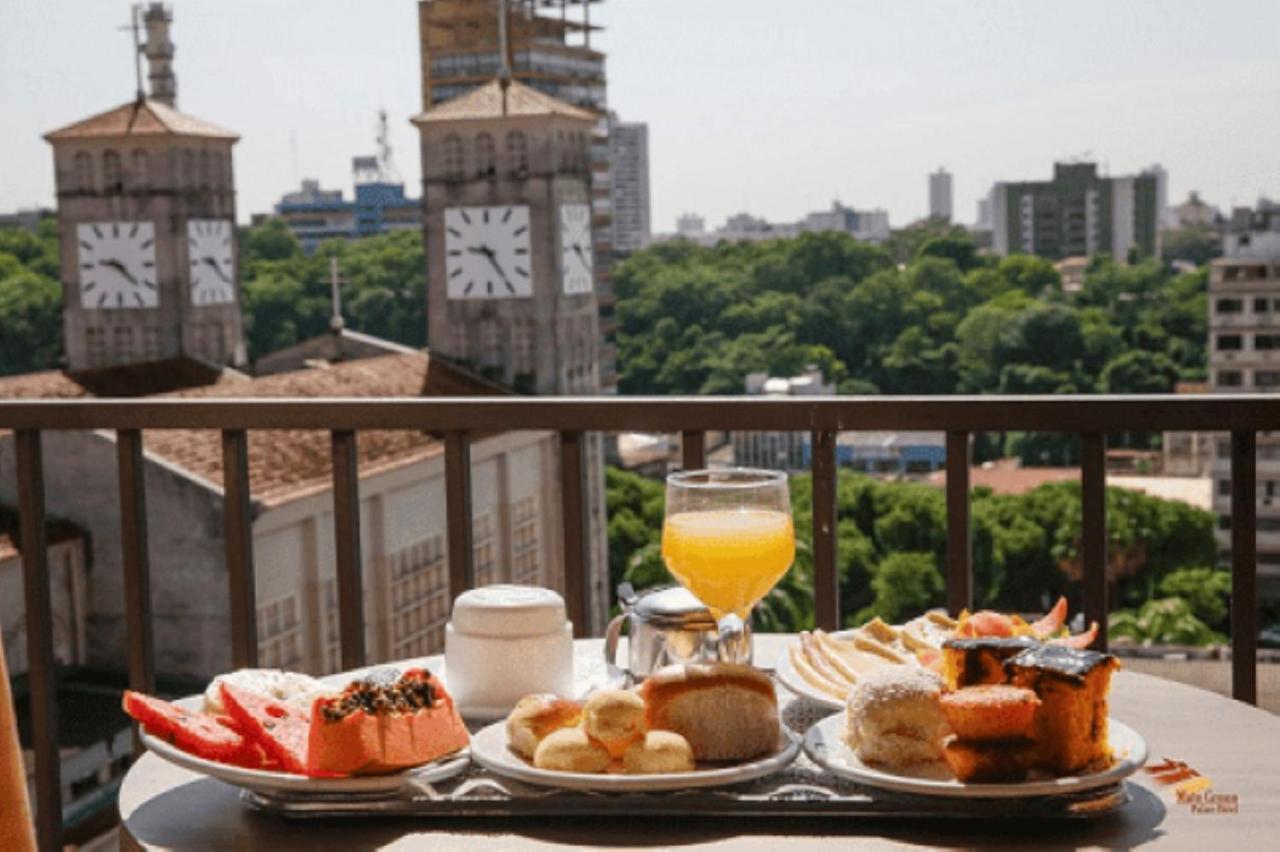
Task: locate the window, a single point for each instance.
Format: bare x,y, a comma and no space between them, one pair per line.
112,178
96,346
526,567
218,173
1266,341
490,339
1230,306
189,169
485,155
1268,525
82,172
151,343
1230,342
1224,487
453,158
1261,306
484,555
522,360
419,598
517,152
280,634
1266,378
139,176
122,343
205,172
1230,378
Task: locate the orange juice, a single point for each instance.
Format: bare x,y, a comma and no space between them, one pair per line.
729,558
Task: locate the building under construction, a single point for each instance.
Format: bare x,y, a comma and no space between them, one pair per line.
548,45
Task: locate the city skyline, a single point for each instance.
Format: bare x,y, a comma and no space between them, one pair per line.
859,110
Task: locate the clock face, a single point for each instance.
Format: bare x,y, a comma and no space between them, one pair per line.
487,252
117,265
575,248
209,250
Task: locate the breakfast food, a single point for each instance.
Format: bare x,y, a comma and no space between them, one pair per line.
832,664
537,716
725,711
986,761
382,723
969,662
615,719
297,690
990,712
1072,685
658,751
894,717
571,750
279,728
197,733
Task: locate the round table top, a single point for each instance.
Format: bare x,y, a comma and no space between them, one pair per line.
1232,744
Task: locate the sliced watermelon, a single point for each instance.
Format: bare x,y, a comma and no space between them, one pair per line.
196,733
255,757
278,728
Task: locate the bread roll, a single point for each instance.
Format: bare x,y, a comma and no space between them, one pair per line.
571,750
658,752
726,712
537,716
614,718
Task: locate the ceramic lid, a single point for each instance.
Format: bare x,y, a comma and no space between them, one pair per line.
509,610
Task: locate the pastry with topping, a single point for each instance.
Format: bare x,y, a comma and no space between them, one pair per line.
894,717
1070,731
659,752
615,719
536,717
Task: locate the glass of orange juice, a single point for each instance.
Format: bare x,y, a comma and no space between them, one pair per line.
728,537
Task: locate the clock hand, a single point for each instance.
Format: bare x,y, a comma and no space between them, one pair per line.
578,251
493,260
119,267
216,268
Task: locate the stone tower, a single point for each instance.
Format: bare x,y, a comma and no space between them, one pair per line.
508,237
146,223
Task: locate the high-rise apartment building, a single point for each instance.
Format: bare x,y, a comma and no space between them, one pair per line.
1079,212
549,49
629,153
940,195
1244,357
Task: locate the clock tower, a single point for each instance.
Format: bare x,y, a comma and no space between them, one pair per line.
510,269
146,224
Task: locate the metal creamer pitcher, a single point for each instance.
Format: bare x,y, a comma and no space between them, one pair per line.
664,626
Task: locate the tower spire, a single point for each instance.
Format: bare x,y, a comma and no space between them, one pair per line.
504,57
135,12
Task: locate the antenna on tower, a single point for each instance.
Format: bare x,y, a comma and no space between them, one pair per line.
387,172
504,59
135,13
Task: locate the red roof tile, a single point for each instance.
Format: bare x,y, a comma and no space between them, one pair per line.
140,118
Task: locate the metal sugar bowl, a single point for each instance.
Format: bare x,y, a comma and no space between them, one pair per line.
664,627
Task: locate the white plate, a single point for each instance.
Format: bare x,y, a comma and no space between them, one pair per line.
824,744
489,748
263,781
794,681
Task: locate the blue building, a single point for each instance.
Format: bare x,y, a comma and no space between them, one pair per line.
380,205
894,453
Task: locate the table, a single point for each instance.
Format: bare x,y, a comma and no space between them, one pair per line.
1234,744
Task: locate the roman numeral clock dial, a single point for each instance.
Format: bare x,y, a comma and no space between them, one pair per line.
487,252
117,265
209,256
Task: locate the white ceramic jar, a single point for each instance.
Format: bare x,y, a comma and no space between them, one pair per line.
505,642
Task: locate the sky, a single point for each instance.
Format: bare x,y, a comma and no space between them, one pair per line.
774,107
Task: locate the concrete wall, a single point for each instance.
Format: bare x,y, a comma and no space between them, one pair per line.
68,595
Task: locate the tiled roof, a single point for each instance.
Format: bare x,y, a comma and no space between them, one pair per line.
129,380
1002,479
486,102
289,464
46,384
140,118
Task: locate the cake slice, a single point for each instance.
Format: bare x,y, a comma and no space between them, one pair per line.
970,662
384,723
1070,731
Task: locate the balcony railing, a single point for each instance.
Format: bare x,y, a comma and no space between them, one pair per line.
1092,418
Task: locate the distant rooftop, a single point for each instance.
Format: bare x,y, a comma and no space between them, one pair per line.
488,102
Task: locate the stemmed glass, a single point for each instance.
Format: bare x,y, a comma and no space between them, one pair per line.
728,537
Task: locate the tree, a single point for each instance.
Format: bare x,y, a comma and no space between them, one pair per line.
31,319
1139,372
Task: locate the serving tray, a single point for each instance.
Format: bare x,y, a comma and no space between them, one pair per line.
803,789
